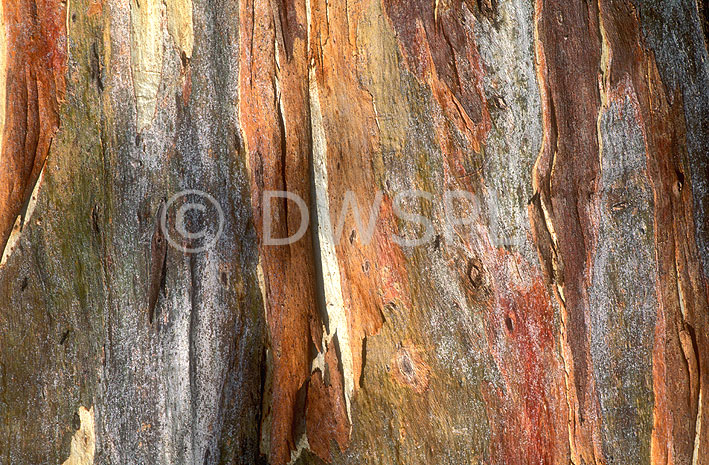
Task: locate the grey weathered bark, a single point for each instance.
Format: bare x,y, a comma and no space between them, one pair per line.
567,324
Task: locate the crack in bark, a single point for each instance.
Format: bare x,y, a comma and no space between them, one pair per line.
284,155
192,341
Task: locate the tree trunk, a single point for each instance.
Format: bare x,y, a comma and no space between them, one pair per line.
532,290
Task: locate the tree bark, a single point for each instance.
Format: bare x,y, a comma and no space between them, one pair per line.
554,310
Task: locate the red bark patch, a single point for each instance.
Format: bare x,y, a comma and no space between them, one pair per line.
569,57
439,48
528,417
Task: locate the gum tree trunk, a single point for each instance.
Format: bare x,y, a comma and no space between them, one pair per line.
554,310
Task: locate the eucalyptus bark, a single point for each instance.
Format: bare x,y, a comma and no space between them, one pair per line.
565,322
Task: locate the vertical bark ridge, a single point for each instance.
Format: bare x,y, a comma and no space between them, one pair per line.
273,81
632,73
574,210
566,177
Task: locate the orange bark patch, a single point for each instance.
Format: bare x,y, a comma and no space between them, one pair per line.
35,42
274,119
352,139
95,8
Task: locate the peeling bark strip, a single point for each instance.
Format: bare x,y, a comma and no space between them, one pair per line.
276,79
345,141
146,18
275,123
566,178
83,443
682,333
146,57
33,63
326,414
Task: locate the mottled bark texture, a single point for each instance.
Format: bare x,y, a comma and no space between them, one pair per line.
568,323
